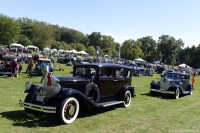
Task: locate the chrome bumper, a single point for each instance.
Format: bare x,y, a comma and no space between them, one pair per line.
162,91
45,109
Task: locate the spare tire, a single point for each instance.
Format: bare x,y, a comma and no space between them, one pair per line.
92,92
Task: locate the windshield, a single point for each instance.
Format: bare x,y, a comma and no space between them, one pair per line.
85,71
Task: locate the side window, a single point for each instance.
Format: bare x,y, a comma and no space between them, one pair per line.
128,72
120,73
106,72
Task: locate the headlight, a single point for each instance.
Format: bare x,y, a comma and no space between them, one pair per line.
28,85
56,88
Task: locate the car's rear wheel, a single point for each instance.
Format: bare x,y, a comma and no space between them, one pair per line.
127,99
68,110
177,93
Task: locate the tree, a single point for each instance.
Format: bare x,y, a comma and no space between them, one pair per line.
42,35
95,39
131,49
23,39
9,30
91,50
169,48
148,46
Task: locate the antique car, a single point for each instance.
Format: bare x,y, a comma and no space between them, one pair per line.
86,88
149,72
5,66
174,83
41,62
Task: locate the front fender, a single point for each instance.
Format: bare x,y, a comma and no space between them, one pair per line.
70,92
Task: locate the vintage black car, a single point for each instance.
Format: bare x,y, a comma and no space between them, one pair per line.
5,67
175,83
91,85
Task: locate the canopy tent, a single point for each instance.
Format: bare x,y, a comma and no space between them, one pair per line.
16,45
60,50
184,66
73,51
82,52
46,49
55,50
32,47
140,59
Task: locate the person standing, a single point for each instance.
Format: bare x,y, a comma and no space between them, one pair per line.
45,71
14,67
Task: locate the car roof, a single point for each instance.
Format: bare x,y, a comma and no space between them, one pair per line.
179,73
105,65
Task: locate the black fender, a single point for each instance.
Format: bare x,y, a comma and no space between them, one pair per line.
189,87
70,92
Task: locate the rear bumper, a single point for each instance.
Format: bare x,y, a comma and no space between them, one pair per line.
45,109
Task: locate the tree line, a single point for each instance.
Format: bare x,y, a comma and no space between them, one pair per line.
41,34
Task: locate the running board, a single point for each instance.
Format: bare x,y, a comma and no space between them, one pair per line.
106,104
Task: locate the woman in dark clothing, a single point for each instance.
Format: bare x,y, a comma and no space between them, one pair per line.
14,68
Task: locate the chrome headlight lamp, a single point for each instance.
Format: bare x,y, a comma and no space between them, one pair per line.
56,88
28,85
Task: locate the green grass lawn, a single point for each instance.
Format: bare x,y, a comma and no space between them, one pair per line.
160,113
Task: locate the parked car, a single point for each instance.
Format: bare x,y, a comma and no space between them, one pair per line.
174,83
41,62
5,66
149,72
87,87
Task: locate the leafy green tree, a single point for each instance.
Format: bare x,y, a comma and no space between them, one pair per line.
27,25
95,39
169,48
9,30
148,46
131,49
23,39
71,36
42,35
91,50
78,46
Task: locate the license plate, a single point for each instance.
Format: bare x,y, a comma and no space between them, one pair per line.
39,98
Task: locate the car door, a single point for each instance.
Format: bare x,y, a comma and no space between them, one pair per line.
119,80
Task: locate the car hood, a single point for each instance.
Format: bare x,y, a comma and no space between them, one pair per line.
76,82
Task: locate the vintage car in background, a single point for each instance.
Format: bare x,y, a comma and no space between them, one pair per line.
149,72
86,88
174,83
40,63
5,66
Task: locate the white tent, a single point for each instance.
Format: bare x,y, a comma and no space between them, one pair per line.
16,45
60,50
140,59
82,52
73,51
32,47
184,66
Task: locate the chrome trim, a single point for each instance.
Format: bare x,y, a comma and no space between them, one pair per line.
166,92
45,109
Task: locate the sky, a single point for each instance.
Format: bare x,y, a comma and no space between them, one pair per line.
122,19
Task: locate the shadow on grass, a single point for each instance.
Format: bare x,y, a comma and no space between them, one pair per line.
162,96
21,118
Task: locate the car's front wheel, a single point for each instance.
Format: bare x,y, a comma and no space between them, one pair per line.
127,99
177,93
68,110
